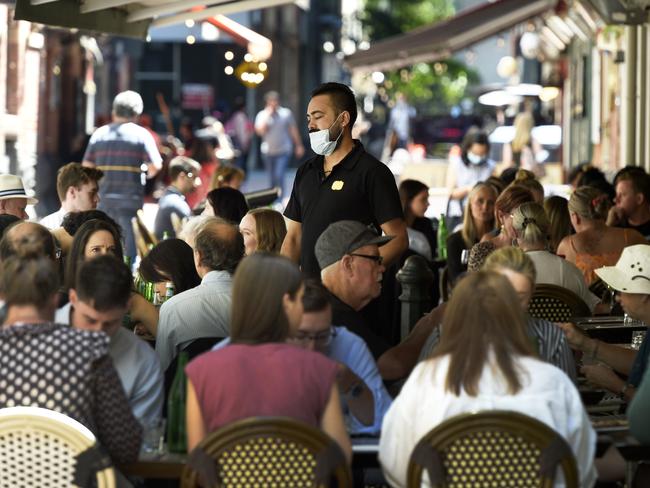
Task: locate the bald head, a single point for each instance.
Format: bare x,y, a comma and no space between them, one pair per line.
24,231
219,246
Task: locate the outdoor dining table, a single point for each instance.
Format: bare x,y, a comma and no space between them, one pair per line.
611,329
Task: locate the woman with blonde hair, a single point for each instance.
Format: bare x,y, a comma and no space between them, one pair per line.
508,201
521,152
484,361
263,229
528,180
478,220
594,244
531,226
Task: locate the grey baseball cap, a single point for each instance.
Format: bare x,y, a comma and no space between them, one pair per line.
344,237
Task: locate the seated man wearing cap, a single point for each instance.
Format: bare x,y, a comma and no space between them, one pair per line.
13,199
351,269
184,176
631,279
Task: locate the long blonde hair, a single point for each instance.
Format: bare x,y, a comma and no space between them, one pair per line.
470,231
523,124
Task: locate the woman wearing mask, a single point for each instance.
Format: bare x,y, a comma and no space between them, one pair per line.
464,171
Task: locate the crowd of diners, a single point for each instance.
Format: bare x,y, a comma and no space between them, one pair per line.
78,338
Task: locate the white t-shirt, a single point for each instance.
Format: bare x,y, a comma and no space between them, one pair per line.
466,176
547,395
54,220
554,270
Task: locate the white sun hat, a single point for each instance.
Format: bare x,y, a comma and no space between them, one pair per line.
632,271
11,186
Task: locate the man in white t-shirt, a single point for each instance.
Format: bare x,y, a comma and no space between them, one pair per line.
78,190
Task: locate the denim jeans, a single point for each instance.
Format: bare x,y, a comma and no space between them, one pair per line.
276,166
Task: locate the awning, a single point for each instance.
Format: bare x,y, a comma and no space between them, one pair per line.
438,41
130,18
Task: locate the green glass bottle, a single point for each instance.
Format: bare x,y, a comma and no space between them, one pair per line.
165,235
442,238
176,429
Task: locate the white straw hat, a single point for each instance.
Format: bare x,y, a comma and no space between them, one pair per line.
11,186
632,271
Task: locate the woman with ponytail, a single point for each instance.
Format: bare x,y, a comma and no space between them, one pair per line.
531,226
594,244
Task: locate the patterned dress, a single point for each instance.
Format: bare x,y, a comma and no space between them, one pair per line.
69,371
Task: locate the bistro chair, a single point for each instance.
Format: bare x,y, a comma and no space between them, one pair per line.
267,451
556,304
43,448
492,448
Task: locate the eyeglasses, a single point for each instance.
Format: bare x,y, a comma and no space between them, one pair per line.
320,338
377,259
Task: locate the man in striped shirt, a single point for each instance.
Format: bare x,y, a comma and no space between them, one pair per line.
122,150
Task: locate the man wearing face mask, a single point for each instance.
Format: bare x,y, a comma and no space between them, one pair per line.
464,171
342,182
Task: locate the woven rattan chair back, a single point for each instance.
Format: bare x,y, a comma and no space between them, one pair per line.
556,304
492,449
271,451
38,448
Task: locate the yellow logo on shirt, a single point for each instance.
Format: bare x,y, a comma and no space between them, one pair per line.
337,185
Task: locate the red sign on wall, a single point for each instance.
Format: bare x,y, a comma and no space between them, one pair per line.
197,96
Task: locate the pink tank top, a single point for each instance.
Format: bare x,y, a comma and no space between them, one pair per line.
241,381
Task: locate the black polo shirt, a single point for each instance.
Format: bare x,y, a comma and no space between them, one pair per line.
344,315
360,188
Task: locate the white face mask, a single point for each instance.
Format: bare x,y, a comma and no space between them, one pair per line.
475,158
320,140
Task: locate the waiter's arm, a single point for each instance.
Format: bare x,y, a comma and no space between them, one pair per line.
395,248
291,243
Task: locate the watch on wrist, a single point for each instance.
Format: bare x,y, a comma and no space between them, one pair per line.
356,390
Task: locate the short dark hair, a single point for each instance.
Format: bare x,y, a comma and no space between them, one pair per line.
6,221
316,298
183,164
228,203
171,259
220,247
74,220
640,182
104,283
76,175
342,98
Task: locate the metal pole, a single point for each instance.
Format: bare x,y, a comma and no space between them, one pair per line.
630,100
641,132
